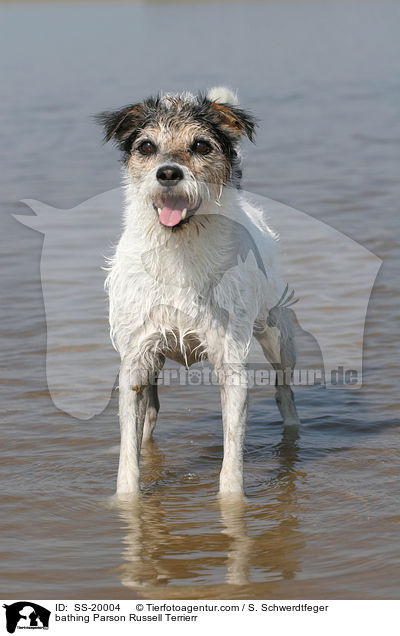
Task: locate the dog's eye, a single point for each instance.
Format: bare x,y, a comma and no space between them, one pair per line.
147,148
201,147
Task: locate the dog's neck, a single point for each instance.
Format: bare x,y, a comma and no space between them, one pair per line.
195,254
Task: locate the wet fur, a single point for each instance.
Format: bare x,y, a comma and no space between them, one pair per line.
181,292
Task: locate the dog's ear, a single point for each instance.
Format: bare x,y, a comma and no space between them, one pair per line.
234,120
119,125
225,110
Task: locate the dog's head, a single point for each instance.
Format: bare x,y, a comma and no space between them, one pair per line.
180,150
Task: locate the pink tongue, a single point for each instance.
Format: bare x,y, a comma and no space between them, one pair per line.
171,211
170,216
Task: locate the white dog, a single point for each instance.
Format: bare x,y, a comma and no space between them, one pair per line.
194,274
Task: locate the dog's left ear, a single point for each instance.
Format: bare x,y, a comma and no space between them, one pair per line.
235,120
119,125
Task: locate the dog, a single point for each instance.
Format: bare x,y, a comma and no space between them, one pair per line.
195,273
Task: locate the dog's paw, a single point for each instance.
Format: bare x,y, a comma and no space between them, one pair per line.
230,483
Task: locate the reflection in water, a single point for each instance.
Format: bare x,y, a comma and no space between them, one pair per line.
239,550
168,553
288,529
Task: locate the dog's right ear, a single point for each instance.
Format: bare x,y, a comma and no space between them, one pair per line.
119,125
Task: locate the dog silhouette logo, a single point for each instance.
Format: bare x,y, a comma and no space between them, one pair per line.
26,615
315,260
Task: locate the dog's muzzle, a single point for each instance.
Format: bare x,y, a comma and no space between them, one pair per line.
173,210
172,206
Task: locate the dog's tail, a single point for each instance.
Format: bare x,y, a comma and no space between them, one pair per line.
223,95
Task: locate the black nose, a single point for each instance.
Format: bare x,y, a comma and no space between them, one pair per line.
169,175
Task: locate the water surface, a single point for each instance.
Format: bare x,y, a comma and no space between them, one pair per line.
321,518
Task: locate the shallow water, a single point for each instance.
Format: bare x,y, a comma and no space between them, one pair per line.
321,516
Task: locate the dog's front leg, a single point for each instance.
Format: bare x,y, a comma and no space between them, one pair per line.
133,400
233,383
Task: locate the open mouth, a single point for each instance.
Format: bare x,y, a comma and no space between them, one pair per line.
173,211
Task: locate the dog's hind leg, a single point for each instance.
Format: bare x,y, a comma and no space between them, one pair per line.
279,348
153,407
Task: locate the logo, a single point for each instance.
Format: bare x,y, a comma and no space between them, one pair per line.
332,277
26,615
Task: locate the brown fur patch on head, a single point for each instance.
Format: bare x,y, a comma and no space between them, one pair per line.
228,118
234,119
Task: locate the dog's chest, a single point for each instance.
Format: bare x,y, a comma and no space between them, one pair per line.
185,349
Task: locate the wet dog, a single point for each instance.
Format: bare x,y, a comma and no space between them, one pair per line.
194,275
